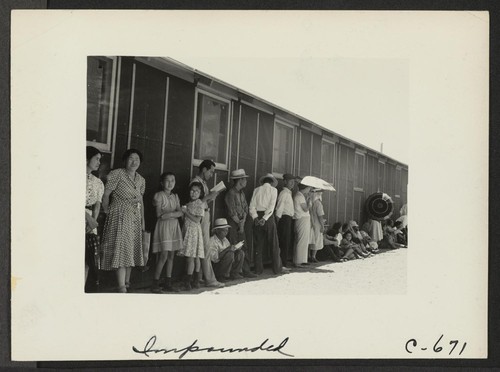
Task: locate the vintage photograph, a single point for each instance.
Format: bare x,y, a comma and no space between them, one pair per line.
250,177
195,185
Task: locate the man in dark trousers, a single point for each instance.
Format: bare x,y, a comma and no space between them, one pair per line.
265,236
284,215
237,211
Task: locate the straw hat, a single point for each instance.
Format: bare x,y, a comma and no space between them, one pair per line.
269,175
238,173
220,223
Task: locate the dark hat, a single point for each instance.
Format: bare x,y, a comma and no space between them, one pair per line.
288,176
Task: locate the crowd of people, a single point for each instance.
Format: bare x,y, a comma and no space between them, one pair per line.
290,226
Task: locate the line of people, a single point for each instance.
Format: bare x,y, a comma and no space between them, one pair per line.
288,224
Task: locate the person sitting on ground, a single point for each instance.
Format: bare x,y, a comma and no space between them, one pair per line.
401,236
331,240
227,259
369,243
390,232
348,248
356,247
374,229
353,228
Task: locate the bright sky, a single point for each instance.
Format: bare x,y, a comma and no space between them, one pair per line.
365,100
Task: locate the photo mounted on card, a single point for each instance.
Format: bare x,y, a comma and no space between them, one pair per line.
250,178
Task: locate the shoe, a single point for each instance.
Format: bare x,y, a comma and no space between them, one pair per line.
216,284
122,289
313,259
236,277
285,269
155,287
249,275
168,287
305,263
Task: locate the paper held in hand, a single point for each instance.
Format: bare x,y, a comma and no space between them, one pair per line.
219,187
239,245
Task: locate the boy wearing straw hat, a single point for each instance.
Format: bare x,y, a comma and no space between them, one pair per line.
227,258
237,211
264,230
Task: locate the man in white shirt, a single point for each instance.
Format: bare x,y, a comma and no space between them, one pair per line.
227,258
284,215
265,236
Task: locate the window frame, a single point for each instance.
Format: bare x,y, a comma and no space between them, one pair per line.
399,170
196,161
294,132
331,143
356,164
106,147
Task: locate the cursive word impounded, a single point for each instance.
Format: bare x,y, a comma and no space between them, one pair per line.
149,348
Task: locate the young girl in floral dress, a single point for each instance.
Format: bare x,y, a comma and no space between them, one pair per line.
167,236
192,247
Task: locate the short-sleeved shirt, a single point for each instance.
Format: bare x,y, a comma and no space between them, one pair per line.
216,246
206,191
95,190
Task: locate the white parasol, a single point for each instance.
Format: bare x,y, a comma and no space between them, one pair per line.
317,183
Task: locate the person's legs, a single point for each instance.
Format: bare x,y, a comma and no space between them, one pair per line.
285,238
224,265
273,244
259,236
236,268
120,278
159,265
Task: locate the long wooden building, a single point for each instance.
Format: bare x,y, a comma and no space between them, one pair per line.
178,116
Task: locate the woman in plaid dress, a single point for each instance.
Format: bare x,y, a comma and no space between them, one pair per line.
122,236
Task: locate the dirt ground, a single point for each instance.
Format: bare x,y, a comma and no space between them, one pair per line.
384,273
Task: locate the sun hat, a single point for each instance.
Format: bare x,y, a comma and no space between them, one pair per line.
220,223
269,175
238,173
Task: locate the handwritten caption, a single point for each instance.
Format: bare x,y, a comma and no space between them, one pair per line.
149,348
454,347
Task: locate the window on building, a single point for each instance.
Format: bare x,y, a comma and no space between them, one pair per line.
283,148
327,161
359,171
101,73
397,192
212,127
381,176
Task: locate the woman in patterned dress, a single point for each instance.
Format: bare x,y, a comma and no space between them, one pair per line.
192,245
95,190
124,227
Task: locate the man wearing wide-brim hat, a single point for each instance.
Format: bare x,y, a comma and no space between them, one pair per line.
265,237
284,216
237,212
226,257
